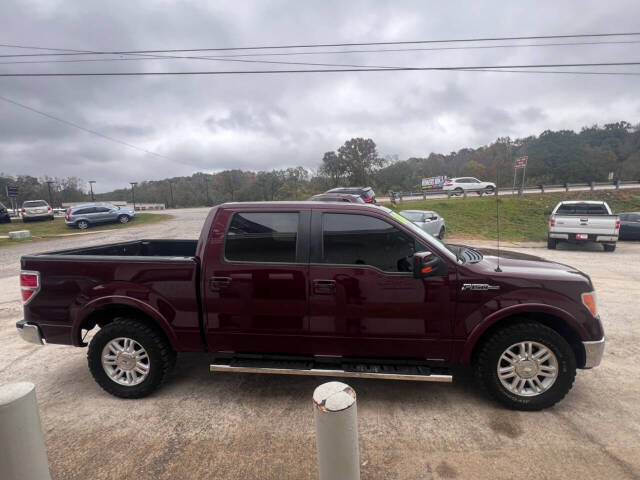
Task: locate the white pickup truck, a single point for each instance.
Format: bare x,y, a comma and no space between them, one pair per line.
583,221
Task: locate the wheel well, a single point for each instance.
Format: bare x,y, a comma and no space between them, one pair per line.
554,323
109,313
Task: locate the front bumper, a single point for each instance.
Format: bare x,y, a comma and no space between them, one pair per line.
29,332
593,352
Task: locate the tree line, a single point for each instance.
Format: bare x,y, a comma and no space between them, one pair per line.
555,157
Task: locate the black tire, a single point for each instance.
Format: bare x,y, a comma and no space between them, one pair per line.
441,233
161,356
488,358
489,190
123,219
552,243
82,224
609,247
458,191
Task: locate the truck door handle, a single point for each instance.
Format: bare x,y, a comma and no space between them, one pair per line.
324,287
217,283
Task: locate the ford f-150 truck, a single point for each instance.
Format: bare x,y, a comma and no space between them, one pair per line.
315,288
583,221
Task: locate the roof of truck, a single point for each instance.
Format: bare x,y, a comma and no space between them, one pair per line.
306,204
589,202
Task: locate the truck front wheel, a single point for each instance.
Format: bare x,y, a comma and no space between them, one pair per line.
526,366
129,359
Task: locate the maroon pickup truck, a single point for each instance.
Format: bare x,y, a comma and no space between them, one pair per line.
314,288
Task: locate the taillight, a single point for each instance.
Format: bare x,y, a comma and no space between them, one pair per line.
24,210
552,222
48,209
368,200
68,214
618,224
29,285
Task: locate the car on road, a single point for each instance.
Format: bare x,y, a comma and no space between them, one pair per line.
583,221
460,185
337,197
317,288
366,193
4,214
86,215
427,220
629,226
36,210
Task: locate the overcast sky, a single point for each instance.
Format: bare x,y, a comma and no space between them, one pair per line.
211,123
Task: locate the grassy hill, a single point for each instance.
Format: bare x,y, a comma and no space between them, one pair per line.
521,218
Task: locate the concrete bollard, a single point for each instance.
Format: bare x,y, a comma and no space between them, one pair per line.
19,234
23,455
336,432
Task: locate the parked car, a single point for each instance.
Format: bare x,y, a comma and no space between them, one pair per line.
457,186
337,197
4,214
317,288
367,193
427,220
83,216
630,226
583,221
36,210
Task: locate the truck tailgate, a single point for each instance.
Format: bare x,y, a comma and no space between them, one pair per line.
594,224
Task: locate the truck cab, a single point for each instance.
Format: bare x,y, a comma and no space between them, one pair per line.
315,288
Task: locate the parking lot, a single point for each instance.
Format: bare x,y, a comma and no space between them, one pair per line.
201,425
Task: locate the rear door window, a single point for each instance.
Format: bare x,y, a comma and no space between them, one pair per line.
351,239
262,237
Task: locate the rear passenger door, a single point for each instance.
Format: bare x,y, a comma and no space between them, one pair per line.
364,301
255,282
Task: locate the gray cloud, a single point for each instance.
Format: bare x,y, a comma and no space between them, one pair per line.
273,121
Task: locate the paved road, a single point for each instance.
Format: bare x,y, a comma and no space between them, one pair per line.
242,426
509,192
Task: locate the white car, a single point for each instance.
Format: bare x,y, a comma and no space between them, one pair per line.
457,186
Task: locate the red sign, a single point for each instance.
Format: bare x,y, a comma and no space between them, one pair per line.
520,162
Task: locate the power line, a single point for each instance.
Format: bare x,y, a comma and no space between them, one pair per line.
323,52
321,70
80,127
323,45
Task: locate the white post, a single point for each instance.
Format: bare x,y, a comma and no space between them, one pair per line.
336,432
23,455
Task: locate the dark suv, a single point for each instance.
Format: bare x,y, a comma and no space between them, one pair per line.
366,193
4,214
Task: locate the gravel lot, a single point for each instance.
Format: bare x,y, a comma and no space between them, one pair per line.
247,426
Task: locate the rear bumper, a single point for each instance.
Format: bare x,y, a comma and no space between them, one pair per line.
29,332
593,352
571,237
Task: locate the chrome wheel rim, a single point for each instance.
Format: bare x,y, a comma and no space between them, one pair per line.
82,225
125,361
124,219
527,368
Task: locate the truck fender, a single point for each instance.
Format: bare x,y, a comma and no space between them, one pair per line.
118,300
511,311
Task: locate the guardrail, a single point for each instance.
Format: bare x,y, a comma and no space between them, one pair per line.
583,186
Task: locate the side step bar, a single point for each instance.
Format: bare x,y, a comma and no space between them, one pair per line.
330,372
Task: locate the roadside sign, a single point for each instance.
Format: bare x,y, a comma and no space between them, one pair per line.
433,183
12,191
520,162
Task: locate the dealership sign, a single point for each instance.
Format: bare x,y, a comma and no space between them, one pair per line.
520,162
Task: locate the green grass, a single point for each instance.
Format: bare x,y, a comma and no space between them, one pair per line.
521,218
44,229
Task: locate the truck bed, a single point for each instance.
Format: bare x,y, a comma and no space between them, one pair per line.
169,249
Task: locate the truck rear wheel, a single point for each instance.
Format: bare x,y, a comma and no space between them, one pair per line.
129,359
526,366
609,247
551,243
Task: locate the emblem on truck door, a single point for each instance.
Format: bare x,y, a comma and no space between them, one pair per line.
479,286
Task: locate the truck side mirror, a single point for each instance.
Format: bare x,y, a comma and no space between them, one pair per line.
426,264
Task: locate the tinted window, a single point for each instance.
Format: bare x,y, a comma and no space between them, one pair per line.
102,209
262,237
36,203
82,211
634,217
363,240
582,209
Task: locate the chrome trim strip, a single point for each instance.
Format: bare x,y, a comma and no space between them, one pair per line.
332,373
593,352
564,236
606,238
30,333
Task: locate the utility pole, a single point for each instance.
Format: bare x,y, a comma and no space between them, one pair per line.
133,194
49,182
206,186
171,194
91,182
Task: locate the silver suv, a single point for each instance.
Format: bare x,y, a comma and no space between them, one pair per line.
83,216
36,210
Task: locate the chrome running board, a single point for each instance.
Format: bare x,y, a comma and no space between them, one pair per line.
321,372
